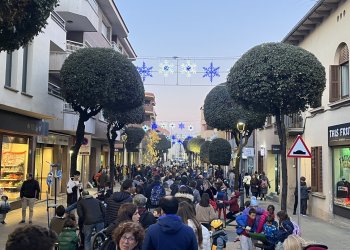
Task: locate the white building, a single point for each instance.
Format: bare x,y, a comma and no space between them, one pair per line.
37,126
324,31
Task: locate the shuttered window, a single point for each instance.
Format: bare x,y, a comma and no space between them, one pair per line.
339,75
334,83
316,169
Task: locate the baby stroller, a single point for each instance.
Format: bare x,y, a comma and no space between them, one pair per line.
99,239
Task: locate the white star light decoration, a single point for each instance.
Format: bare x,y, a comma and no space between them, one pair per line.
145,128
166,68
190,128
188,68
163,125
172,125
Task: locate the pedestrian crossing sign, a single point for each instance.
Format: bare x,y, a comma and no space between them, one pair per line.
299,149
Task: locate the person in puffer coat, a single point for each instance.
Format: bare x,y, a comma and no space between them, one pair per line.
117,199
68,238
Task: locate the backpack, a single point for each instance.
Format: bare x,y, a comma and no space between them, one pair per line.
264,183
296,230
156,194
5,208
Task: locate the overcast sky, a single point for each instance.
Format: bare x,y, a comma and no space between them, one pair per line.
200,32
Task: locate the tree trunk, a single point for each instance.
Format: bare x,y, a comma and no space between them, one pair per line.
112,136
79,137
283,142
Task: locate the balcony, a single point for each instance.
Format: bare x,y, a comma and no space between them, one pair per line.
54,90
294,124
116,48
79,15
149,109
57,58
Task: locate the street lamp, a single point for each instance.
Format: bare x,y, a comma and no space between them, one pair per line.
241,128
124,138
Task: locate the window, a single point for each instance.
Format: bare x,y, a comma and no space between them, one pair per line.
316,169
339,75
341,164
105,31
268,120
8,69
25,69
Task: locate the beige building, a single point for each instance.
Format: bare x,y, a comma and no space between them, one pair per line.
324,31
37,127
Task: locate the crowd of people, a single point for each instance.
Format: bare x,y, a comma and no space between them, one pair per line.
159,208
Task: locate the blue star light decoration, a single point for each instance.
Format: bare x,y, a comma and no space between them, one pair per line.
145,128
173,142
181,125
144,71
180,142
189,137
211,72
154,126
173,137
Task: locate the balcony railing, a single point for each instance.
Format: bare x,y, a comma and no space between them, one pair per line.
115,47
294,121
74,46
55,90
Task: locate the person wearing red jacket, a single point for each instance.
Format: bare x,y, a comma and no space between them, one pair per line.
234,207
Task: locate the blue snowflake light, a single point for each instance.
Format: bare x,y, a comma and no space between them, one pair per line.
173,142
154,126
189,137
144,71
179,141
181,125
211,72
173,137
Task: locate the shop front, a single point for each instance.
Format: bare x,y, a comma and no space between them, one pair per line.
339,141
17,147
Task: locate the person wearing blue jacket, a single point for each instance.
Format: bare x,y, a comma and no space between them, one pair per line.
169,232
245,225
285,228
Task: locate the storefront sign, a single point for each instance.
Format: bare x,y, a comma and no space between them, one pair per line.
248,152
22,124
276,149
53,139
86,147
339,135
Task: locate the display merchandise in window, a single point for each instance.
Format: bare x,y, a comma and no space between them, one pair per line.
341,177
13,165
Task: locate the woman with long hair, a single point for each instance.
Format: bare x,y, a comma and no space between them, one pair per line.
127,212
187,213
205,213
286,227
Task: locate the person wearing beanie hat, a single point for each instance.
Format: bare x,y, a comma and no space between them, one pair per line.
146,217
184,195
254,202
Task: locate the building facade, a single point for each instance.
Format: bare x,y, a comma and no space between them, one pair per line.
326,129
39,127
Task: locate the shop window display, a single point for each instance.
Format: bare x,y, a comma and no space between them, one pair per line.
342,177
13,166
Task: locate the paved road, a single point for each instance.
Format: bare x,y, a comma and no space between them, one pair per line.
312,229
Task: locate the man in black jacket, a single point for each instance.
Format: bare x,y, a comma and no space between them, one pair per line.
117,199
91,212
29,193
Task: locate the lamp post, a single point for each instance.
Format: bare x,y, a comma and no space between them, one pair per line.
241,128
124,138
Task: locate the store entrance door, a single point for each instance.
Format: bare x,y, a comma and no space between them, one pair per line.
43,158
